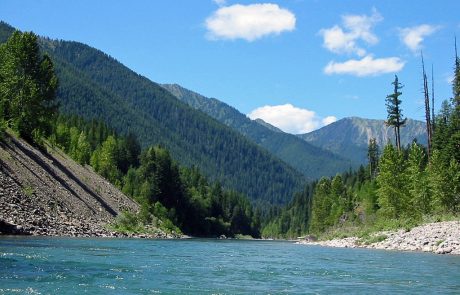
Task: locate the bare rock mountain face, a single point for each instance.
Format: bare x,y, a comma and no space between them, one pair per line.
349,137
47,193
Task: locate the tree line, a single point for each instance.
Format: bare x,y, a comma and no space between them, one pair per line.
171,197
401,186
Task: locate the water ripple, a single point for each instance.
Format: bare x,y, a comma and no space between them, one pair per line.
122,266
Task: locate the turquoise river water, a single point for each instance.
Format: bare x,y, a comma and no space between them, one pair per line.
30,265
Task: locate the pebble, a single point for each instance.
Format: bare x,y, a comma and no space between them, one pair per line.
438,237
53,210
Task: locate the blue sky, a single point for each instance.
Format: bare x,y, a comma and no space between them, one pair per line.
298,64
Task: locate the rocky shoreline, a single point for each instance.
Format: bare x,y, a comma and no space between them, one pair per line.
27,215
45,193
438,237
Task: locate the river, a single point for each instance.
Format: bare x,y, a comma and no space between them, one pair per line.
39,265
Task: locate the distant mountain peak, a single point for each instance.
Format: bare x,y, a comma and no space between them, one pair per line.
312,161
350,136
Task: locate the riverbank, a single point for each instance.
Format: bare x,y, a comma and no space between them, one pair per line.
437,237
22,214
46,193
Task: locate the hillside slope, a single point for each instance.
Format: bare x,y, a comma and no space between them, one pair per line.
349,137
95,85
312,161
47,193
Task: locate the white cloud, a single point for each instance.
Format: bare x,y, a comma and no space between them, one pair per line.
291,119
249,22
357,27
367,66
328,120
413,37
220,2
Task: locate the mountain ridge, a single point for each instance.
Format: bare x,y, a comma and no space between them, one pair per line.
312,161
350,136
95,85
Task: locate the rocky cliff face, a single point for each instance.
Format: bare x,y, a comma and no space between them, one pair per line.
47,193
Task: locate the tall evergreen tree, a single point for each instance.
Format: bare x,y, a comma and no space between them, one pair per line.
417,177
27,86
322,205
429,128
395,117
373,156
454,142
393,189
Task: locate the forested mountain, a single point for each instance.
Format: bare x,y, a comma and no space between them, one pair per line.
95,85
349,137
313,162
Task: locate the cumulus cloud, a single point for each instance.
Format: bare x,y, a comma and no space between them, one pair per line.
367,66
413,37
249,22
343,39
291,119
328,120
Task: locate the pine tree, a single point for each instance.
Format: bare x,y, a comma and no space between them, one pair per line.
27,86
395,116
429,127
83,151
373,156
454,142
441,136
321,206
339,199
108,160
393,190
418,181
441,184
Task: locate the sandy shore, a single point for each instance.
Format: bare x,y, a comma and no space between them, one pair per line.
438,237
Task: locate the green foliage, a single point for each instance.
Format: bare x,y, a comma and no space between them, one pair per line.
373,156
408,189
293,220
28,190
107,160
393,192
83,151
94,85
417,177
322,204
312,161
172,198
128,222
27,86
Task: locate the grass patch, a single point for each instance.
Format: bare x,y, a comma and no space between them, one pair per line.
128,222
28,190
440,217
243,237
